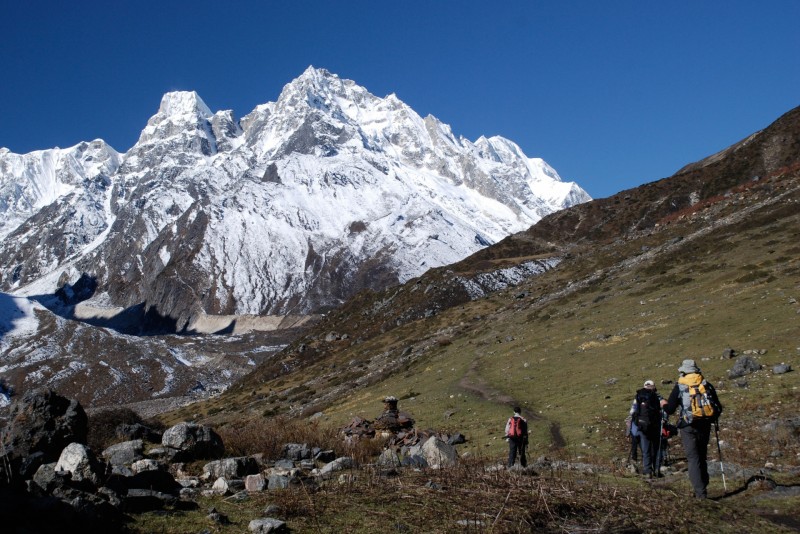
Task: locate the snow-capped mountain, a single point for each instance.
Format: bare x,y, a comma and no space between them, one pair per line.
292,209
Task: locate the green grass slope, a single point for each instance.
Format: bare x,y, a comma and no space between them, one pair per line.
685,267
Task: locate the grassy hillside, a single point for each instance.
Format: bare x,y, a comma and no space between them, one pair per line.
682,268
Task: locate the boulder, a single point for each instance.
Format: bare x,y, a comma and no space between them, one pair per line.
221,487
285,464
339,464
744,366
296,451
781,368
415,460
255,482
43,421
81,464
48,479
277,482
388,458
267,525
439,454
124,453
145,464
230,468
88,512
193,441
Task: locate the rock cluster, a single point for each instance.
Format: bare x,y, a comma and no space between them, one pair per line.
48,475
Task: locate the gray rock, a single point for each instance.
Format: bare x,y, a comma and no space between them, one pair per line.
146,464
388,458
230,468
188,482
221,487
277,482
415,460
296,451
284,464
781,368
339,464
80,463
47,478
438,453
124,453
266,525
744,365
193,441
255,482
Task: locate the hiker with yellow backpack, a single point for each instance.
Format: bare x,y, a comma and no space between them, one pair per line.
699,410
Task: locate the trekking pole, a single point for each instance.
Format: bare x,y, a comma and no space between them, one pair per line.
719,452
660,436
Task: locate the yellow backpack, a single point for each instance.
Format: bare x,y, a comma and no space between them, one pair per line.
696,403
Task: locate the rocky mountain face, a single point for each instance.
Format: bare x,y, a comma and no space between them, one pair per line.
292,209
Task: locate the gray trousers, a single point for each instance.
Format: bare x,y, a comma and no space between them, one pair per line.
695,443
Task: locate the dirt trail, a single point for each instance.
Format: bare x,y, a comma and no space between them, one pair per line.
472,382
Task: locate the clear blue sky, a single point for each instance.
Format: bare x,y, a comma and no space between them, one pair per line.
612,94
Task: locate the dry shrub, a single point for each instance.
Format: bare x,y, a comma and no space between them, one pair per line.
362,450
267,436
103,425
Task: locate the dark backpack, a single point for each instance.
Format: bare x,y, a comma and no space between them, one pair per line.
648,411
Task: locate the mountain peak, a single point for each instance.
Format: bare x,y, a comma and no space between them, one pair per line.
181,103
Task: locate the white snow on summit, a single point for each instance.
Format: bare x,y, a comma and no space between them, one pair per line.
304,201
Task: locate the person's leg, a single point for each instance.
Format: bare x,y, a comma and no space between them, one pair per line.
690,445
523,460
512,452
703,436
657,444
647,454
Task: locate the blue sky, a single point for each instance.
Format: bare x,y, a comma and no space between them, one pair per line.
612,94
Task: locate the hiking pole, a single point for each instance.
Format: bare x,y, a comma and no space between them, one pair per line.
660,436
719,452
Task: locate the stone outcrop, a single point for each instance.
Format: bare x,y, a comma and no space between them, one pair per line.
97,493
44,422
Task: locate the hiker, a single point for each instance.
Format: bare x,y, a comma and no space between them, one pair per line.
646,415
699,409
517,436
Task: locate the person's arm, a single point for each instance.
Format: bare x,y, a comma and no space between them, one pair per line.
714,397
508,427
671,405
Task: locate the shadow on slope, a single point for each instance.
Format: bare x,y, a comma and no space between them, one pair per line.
11,314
